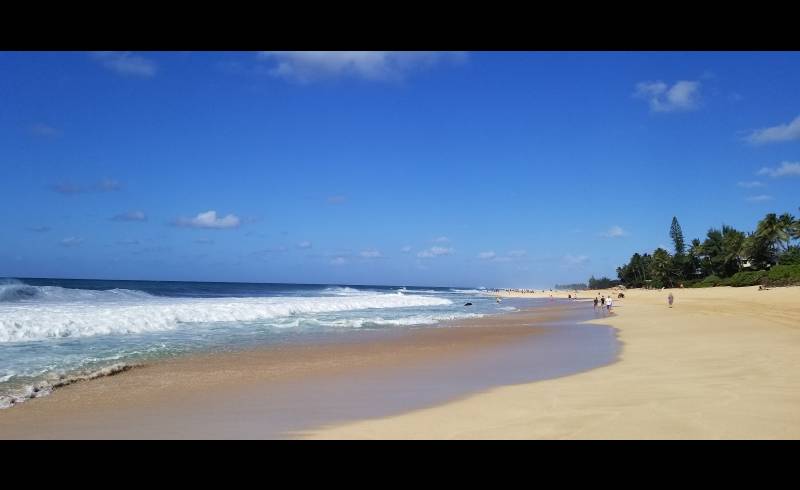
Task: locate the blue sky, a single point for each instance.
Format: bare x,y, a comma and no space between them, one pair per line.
474,169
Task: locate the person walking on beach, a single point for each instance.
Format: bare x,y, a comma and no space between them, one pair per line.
609,304
602,301
595,302
670,299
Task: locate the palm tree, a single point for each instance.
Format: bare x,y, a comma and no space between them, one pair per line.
775,231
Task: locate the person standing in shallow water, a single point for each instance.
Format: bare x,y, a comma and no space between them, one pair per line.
670,299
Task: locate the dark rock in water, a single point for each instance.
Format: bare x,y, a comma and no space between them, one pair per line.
467,304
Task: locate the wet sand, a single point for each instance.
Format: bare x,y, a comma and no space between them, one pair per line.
723,363
293,390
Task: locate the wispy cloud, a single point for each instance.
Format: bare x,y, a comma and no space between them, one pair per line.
434,252
614,232
337,199
44,130
338,261
71,241
786,169
305,244
761,198
750,184
684,95
312,66
492,256
775,134
130,216
406,249
126,64
209,219
371,253
441,239
70,188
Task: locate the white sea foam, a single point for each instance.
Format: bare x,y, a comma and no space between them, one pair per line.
46,387
120,312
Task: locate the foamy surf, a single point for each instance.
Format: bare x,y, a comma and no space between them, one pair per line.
55,332
47,386
137,315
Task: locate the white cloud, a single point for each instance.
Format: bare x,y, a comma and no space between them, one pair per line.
209,219
786,169
126,64
406,249
434,252
310,66
131,216
517,253
338,261
71,241
614,232
781,132
487,255
682,96
304,244
441,239
761,198
750,184
371,254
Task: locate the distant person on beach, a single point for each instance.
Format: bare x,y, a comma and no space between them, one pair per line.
670,299
609,304
595,302
602,301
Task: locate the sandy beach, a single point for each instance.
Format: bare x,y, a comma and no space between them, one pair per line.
286,390
721,364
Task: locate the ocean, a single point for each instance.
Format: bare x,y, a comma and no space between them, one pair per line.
57,331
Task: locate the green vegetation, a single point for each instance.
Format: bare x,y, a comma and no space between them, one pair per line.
602,283
726,257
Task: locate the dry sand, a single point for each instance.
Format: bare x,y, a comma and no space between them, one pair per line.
723,363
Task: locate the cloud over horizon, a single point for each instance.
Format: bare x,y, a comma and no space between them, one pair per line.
614,232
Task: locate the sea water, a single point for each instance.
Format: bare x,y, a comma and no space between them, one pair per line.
57,331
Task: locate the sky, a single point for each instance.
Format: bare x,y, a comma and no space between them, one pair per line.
491,169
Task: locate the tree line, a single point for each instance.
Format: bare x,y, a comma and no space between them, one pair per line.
726,256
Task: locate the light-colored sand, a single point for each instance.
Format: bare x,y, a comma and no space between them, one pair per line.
723,363
261,393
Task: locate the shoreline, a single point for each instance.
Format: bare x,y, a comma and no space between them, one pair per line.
720,364
285,391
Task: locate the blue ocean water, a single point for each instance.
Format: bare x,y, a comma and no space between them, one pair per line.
57,331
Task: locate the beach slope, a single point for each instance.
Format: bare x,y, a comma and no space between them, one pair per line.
723,363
